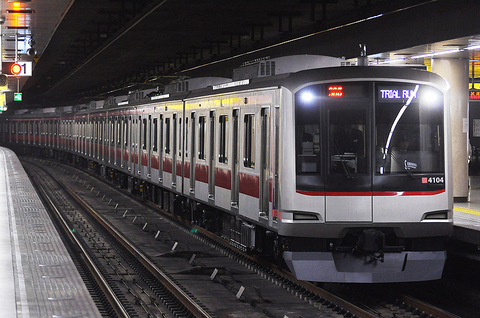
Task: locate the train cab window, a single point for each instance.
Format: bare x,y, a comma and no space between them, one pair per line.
249,145
202,126
347,130
223,141
409,129
307,132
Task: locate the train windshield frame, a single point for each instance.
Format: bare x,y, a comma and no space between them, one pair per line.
352,136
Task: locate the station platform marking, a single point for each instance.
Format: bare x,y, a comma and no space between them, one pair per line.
466,210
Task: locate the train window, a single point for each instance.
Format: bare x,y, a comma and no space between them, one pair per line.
202,126
144,137
347,132
126,137
118,129
223,141
409,129
307,132
249,145
179,143
100,128
160,139
155,135
186,137
167,135
192,140
111,132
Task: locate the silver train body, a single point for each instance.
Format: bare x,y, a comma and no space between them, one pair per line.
307,166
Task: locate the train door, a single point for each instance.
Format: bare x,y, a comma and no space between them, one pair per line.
131,144
235,158
150,143
211,159
174,150
118,140
192,152
179,164
124,154
111,140
136,144
264,177
90,137
348,179
101,137
128,143
142,137
160,150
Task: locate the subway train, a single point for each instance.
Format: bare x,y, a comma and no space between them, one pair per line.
340,172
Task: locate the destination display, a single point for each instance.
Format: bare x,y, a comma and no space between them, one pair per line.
395,94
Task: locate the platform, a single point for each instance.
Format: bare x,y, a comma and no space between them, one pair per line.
466,216
38,277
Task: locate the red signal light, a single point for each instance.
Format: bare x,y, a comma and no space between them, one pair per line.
15,69
335,91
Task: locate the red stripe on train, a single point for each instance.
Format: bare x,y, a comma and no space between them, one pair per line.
375,193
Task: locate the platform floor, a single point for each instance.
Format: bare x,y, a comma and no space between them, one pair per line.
38,277
466,215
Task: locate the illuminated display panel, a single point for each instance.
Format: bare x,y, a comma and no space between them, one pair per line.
393,94
474,95
347,90
335,91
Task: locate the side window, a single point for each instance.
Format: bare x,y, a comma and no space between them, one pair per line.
167,135
126,131
155,135
144,135
179,143
223,141
160,147
186,137
202,121
249,145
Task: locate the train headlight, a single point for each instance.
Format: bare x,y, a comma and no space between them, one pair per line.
430,97
307,97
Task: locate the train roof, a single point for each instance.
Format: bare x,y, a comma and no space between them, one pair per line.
293,81
383,73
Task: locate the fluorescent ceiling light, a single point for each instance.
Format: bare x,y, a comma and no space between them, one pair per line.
435,53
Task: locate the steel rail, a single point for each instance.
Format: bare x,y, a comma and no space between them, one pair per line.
186,300
426,308
99,278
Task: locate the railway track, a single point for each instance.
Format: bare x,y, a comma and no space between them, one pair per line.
163,268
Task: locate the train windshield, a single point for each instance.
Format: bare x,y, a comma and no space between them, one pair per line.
345,132
409,129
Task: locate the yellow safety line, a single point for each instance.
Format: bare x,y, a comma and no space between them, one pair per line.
465,210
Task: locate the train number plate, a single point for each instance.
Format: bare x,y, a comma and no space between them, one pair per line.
433,180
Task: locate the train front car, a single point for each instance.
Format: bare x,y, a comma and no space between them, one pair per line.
365,182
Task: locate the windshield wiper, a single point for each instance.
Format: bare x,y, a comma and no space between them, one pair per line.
405,165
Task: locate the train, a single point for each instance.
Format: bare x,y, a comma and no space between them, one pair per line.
298,158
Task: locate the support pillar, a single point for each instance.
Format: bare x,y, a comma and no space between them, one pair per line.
455,71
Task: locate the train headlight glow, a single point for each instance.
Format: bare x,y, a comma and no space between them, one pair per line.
430,97
307,97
